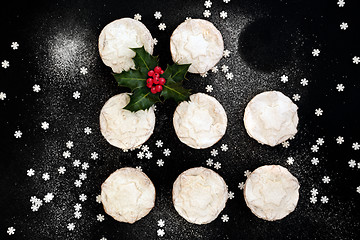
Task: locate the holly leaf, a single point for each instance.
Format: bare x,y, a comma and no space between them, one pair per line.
132,79
142,99
143,60
176,72
175,90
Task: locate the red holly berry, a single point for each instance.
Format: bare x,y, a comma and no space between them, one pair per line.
156,80
153,90
162,81
156,75
151,73
149,81
158,88
162,72
149,85
157,69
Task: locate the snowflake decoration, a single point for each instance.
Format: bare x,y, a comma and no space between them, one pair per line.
209,162
139,168
66,154
296,97
315,52
226,1
155,41
340,140
304,82
207,13
45,125
71,226
30,172
314,161
214,152
204,75
85,166
324,199
356,60
94,155
224,68
82,197
284,78
225,218
318,112
2,96
87,130
217,165
209,88
231,195
145,148
314,192
313,199
36,88
214,69
226,53
76,163
46,176
229,76
162,26
326,179
352,163
148,155
82,176
358,189
48,197
5,64
78,183
208,4
320,141
340,87
77,207
160,162
157,15
223,14
159,143
137,17
18,134
83,70
285,144
69,144
356,146
167,152
11,230
14,45
247,173
161,223
290,160
98,198
241,185
341,3
140,155
224,147
344,26
76,95
160,232
314,148
77,214
100,217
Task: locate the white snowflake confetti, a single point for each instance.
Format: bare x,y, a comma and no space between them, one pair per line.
82,197
285,144
315,52
304,82
148,155
324,199
226,1
76,94
209,162
160,232
161,223
320,141
314,192
61,170
77,207
352,163
224,147
284,78
344,26
159,143
340,140
225,218
77,214
155,41
78,183
223,14
229,76
145,148
5,64
231,195
247,173
2,96
66,154
207,13
241,185
139,168
83,70
226,53
45,125
296,97
94,155
98,198
14,45
290,160
314,161
358,189
30,172
48,197
140,155
214,152
314,148
208,4
76,163
87,130
71,226
313,199
46,176
11,230
217,165
36,88
318,112
224,68
69,144
209,88
340,87
137,17
85,166
204,75
214,69
356,146
167,152
160,162
341,3
18,134
356,60
162,26
326,179
157,15
82,176
100,217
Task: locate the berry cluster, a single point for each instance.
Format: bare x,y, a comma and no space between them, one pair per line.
155,82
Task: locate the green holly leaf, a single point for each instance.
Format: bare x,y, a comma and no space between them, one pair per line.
143,60
175,90
176,72
142,99
132,79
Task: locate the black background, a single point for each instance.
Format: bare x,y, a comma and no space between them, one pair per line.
272,38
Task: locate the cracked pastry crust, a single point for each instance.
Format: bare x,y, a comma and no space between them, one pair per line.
199,195
200,122
271,192
128,195
118,37
271,118
122,128
198,42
